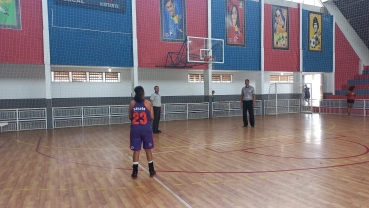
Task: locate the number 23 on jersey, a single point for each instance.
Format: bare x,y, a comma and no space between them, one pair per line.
137,116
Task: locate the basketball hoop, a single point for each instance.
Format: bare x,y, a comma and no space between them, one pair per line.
208,59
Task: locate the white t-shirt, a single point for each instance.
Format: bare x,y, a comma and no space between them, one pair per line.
157,100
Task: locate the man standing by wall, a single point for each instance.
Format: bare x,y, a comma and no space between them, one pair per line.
248,103
156,103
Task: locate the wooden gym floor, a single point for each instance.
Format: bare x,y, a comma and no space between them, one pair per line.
295,160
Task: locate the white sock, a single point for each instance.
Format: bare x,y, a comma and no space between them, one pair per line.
150,161
135,163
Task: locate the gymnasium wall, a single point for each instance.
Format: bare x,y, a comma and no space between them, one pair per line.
151,50
282,60
238,57
22,81
174,82
92,89
347,61
24,46
81,36
318,61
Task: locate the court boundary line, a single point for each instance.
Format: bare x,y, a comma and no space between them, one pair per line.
201,172
165,186
211,144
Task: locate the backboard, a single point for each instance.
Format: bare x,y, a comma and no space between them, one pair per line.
205,50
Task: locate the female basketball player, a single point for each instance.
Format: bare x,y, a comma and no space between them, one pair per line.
351,95
141,114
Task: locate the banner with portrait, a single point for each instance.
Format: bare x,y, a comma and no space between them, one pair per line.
10,14
315,31
280,28
173,20
235,22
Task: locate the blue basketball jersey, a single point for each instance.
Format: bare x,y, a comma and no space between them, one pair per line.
141,118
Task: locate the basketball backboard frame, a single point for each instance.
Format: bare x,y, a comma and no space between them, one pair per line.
205,47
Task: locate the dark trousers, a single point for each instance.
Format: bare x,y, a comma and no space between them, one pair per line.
247,106
155,124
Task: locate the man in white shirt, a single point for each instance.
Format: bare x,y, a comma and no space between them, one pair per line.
156,103
248,103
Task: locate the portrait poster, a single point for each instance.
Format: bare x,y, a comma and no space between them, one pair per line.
235,22
315,32
173,20
10,14
280,28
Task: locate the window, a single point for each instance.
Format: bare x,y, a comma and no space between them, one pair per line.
111,77
60,76
281,78
226,78
79,77
290,78
96,77
222,78
195,77
215,78
274,78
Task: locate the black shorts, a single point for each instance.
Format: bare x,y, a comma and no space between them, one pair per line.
350,101
307,96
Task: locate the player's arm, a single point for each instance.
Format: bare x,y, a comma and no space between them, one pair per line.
152,100
347,93
241,97
151,112
254,97
130,107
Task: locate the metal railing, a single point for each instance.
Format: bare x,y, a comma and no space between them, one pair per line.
282,106
339,106
62,117
23,119
118,114
232,108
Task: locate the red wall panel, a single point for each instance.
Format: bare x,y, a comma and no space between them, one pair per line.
282,60
24,46
151,51
347,62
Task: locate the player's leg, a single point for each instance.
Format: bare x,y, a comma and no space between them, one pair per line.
251,113
244,113
135,145
348,107
159,112
148,145
156,120
351,105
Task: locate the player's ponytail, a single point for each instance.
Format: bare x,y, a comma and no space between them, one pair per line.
139,90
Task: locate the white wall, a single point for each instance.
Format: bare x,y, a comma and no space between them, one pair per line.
92,89
328,83
22,81
174,82
28,81
285,88
238,82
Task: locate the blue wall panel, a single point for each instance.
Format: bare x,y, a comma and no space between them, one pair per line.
236,57
318,61
82,36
